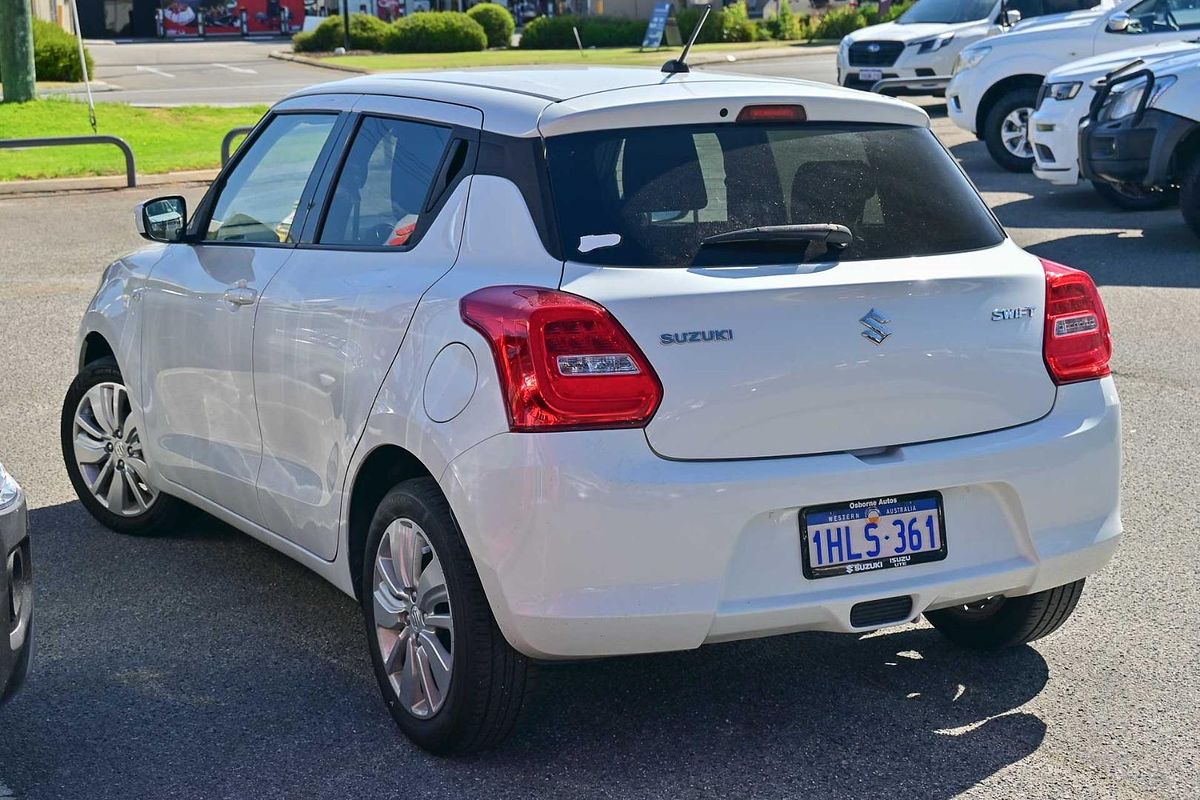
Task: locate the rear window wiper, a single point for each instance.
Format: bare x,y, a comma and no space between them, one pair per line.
835,237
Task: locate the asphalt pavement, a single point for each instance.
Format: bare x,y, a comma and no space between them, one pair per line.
206,665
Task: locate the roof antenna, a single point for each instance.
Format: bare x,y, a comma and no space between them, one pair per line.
677,65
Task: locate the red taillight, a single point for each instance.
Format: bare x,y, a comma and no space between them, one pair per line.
776,113
564,362
1077,343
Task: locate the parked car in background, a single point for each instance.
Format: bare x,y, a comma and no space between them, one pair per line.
1144,130
16,588
915,54
995,85
583,362
1063,102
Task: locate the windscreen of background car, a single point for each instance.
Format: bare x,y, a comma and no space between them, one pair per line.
650,196
947,11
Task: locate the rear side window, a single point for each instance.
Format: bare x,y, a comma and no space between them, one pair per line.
385,179
650,196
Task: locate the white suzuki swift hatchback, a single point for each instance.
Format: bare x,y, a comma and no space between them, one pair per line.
544,364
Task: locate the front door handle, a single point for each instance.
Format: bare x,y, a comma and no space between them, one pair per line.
240,295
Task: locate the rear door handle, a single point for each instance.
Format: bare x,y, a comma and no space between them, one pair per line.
240,295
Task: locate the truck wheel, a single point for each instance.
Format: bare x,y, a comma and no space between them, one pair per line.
451,681
1000,622
1005,130
1189,195
1131,197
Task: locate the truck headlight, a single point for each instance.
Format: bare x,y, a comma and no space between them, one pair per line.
970,58
1062,91
934,44
9,490
1126,98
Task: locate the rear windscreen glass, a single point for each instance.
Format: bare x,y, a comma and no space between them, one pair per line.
650,196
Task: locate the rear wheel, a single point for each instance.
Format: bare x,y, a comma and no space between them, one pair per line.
102,449
999,622
1189,194
450,680
1006,130
1132,197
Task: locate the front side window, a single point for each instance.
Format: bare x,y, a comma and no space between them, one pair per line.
653,196
258,201
1164,16
384,183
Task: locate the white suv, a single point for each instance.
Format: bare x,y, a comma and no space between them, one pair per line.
996,81
915,53
544,364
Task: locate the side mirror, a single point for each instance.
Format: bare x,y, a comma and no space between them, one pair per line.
163,219
1010,17
1118,23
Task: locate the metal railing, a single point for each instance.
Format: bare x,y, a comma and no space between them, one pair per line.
59,141
227,142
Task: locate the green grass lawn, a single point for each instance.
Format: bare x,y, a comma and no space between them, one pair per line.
631,56
163,139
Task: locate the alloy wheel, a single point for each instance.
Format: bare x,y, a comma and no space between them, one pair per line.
413,618
108,451
1014,133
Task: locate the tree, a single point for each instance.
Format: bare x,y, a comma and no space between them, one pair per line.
16,51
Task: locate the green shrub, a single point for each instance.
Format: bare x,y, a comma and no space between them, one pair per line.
736,25
497,23
366,33
896,10
56,54
786,25
555,33
838,22
435,32
689,17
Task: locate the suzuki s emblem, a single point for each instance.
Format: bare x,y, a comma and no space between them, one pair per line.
876,326
873,48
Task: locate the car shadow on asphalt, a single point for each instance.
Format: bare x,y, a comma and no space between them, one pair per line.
205,664
1092,235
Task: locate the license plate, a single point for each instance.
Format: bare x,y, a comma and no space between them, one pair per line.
870,74
867,535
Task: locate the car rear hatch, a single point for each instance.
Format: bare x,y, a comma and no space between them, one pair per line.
927,326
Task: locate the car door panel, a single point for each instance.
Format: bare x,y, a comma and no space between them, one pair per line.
329,326
199,305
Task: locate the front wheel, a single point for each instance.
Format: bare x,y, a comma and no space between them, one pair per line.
450,680
999,622
1132,197
102,449
1006,130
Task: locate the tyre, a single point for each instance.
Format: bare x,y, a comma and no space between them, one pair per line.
1005,130
1131,197
1000,622
450,680
1189,194
102,450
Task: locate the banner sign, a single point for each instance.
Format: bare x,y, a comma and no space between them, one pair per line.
230,17
658,25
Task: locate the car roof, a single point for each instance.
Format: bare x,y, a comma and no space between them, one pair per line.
515,100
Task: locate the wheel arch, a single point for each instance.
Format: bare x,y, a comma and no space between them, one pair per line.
1001,88
94,348
1187,151
383,468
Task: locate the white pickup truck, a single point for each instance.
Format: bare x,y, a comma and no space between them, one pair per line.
1064,101
996,81
914,54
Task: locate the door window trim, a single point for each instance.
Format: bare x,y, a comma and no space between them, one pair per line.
431,206
204,211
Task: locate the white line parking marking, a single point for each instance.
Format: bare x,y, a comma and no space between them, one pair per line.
155,71
243,70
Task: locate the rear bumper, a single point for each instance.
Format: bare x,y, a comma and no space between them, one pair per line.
1132,150
16,591
588,544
